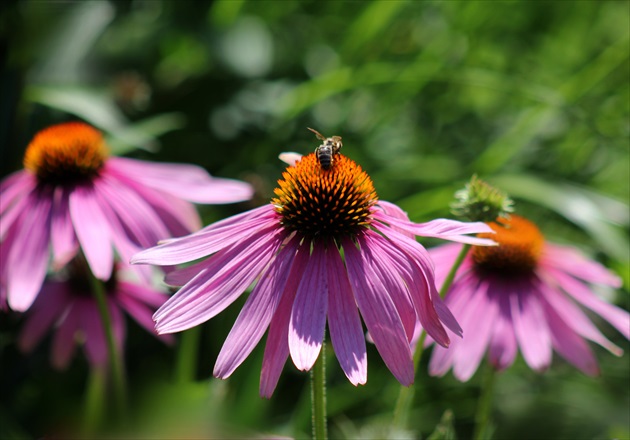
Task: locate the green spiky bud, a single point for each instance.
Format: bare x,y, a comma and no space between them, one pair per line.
481,202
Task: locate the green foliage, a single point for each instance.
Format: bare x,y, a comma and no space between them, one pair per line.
533,97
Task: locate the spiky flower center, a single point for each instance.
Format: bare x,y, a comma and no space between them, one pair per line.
520,246
66,153
325,203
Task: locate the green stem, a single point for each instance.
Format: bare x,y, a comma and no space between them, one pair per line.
115,361
318,396
483,428
405,396
186,368
94,399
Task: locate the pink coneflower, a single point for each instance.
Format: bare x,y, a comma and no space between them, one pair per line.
293,248
69,306
524,294
71,195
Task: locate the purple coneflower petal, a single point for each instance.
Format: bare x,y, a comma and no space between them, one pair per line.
228,275
277,347
95,345
503,345
63,239
14,188
290,158
379,313
93,231
618,318
139,302
308,315
191,247
574,263
442,228
344,323
187,182
530,327
254,318
478,321
570,346
13,204
47,309
574,318
28,256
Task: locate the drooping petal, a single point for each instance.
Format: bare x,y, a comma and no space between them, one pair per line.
503,346
15,199
571,261
392,272
27,259
62,236
570,346
617,317
574,318
206,295
129,300
93,231
530,326
379,313
203,243
290,158
441,228
90,323
344,323
188,182
254,318
308,316
470,350
47,309
277,346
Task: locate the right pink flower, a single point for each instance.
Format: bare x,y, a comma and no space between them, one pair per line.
524,294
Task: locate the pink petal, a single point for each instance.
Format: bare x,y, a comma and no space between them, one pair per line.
503,347
47,309
203,243
308,316
18,191
574,318
95,345
569,344
254,318
379,313
93,231
187,182
277,347
441,228
617,317
27,259
346,331
215,288
139,310
290,158
470,351
63,239
571,261
530,326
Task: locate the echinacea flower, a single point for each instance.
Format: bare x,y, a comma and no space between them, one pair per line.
524,295
292,248
71,195
68,306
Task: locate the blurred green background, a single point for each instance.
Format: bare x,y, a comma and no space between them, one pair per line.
532,96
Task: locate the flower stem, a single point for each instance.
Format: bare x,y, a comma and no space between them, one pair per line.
94,399
451,274
405,397
115,361
483,428
318,396
187,356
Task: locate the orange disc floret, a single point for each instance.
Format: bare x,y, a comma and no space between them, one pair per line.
330,203
519,249
66,152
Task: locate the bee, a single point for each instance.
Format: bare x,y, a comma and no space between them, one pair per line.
326,152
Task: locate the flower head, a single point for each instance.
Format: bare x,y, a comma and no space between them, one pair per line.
528,292
68,305
292,250
71,195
